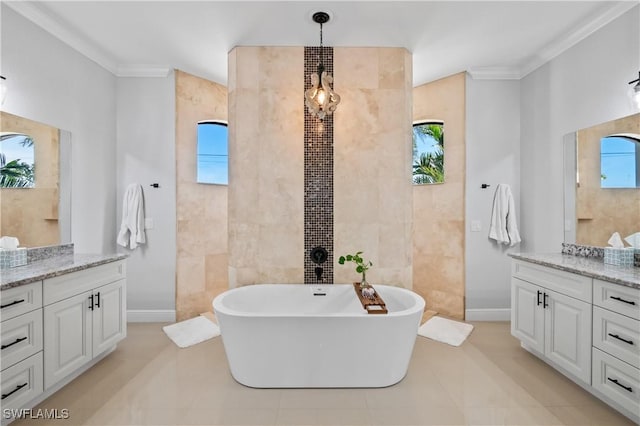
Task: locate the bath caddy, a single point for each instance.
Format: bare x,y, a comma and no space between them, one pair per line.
372,306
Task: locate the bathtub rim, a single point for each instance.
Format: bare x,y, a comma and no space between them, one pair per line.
217,303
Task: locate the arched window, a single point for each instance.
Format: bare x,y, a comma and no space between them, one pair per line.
428,152
213,152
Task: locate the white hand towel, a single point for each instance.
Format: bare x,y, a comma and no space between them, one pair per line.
132,228
504,227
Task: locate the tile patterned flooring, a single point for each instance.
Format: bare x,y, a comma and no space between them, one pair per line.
489,380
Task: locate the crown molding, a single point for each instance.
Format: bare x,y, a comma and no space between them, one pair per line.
567,41
143,71
44,20
495,73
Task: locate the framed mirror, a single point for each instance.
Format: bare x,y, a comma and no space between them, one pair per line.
593,212
35,182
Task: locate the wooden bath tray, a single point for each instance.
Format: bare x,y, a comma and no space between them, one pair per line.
372,306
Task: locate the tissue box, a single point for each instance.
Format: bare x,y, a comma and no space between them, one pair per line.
619,256
13,258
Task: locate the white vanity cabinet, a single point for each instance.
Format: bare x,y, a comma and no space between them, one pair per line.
616,341
586,327
56,327
551,315
84,315
21,337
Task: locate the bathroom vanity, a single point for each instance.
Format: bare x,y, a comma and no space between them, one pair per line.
582,317
60,315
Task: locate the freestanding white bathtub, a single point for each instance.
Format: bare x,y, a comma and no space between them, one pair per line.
316,336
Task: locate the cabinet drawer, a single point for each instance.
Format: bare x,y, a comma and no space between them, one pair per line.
21,382
617,298
21,337
567,283
617,380
19,300
65,286
617,335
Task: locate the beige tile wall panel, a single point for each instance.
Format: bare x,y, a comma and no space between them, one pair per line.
438,210
201,271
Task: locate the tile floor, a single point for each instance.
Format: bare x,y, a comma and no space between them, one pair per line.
489,380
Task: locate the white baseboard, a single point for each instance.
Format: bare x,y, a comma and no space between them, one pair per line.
498,314
151,315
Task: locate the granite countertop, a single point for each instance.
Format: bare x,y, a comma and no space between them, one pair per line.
53,267
588,266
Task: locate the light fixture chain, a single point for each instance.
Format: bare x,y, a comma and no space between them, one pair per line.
321,35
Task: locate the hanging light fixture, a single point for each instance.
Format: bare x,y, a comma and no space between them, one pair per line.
634,92
320,99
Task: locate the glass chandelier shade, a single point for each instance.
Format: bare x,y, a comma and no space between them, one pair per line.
320,99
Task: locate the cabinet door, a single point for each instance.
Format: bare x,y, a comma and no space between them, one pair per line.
67,337
527,314
568,334
109,318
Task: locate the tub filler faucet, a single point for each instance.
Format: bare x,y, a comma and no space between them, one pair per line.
318,256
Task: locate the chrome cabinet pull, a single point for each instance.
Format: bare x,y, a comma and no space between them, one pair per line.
15,302
615,336
7,395
627,388
13,343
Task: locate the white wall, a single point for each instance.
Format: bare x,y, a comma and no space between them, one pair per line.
51,83
493,157
146,155
584,86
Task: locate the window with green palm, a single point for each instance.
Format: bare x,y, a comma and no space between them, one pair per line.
428,152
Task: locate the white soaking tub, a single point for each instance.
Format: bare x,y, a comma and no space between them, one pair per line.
316,336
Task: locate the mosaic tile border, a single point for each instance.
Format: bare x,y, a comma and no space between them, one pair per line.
318,174
591,251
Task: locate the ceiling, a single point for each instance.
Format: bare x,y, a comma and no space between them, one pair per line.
500,39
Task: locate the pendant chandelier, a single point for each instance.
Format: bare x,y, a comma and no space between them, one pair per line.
320,99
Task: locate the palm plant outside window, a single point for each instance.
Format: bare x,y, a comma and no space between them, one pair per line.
428,152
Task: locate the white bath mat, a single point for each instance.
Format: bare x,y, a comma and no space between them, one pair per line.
192,331
445,330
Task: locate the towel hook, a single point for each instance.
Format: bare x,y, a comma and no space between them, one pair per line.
155,185
485,186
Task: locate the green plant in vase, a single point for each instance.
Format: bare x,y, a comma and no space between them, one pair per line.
361,265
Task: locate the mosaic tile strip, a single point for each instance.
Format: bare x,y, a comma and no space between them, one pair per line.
318,174
592,251
583,251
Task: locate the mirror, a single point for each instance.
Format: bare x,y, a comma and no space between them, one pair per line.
593,213
35,201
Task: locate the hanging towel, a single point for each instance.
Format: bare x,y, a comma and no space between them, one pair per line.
132,228
504,228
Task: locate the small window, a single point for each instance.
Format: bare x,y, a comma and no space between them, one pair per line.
17,161
428,152
620,161
213,152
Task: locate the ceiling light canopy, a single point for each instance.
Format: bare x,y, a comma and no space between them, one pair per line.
320,99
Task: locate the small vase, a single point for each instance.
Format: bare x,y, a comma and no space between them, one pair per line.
364,282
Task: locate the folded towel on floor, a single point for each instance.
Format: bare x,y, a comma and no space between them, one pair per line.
445,330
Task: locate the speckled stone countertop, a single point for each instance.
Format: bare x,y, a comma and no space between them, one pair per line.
53,267
587,266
